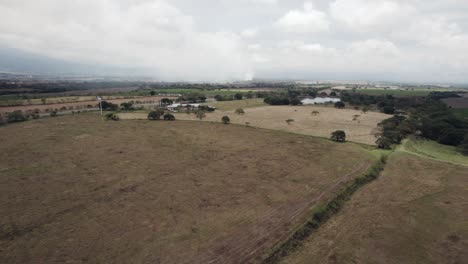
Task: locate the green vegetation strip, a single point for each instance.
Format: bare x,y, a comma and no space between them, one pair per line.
323,213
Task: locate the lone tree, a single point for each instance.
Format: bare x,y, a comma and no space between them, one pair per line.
152,93
169,117
340,105
226,120
200,114
238,96
156,114
240,111
338,136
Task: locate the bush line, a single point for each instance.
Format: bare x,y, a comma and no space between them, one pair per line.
325,212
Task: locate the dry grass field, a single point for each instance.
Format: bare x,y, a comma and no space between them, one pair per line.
416,212
76,189
274,117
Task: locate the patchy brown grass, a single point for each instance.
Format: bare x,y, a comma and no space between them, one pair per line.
328,120
416,212
77,189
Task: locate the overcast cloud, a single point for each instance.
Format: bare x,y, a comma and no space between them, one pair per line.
224,40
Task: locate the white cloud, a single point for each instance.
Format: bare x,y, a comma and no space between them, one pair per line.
152,35
249,33
304,21
366,15
219,39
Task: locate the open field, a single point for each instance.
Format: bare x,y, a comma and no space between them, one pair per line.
433,150
416,212
233,105
77,105
274,117
84,190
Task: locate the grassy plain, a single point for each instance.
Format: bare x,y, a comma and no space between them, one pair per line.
415,212
323,124
433,150
77,189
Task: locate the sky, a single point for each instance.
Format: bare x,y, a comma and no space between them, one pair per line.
228,40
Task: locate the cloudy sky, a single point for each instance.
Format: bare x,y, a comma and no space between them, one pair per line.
224,40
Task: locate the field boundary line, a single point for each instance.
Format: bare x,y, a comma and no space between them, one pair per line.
323,213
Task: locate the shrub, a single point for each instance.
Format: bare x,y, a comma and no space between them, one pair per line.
169,117
200,114
289,121
35,116
156,114
226,120
152,93
53,113
16,116
240,111
127,106
112,116
238,96
340,105
2,120
338,136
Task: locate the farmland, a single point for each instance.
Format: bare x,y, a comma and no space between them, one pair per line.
328,120
414,213
85,190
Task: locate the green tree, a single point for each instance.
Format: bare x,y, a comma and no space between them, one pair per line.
240,111
238,96
295,101
127,106
169,117
365,109
340,105
338,136
166,101
200,114
16,116
384,143
152,93
155,114
226,120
